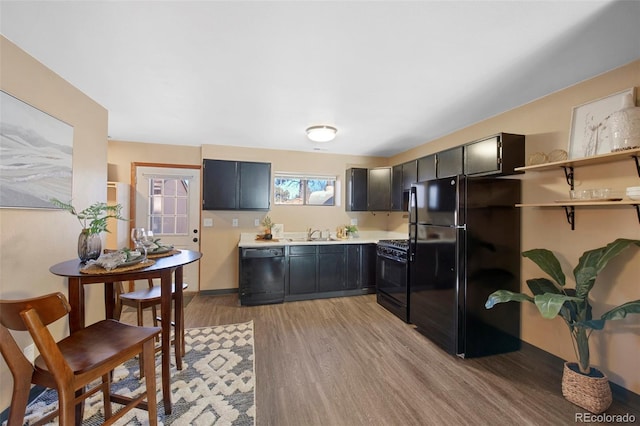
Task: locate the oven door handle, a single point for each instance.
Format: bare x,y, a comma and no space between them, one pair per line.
393,258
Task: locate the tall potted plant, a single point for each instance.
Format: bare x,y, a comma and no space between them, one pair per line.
93,220
582,384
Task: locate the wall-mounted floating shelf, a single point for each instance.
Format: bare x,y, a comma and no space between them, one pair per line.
568,167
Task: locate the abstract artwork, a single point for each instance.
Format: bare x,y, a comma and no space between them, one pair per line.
590,133
36,152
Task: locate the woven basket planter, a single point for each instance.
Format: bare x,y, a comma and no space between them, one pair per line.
591,393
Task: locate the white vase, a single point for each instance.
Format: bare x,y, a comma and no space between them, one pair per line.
624,126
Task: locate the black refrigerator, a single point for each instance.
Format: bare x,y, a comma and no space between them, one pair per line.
464,243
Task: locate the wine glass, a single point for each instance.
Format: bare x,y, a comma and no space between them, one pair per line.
138,235
147,242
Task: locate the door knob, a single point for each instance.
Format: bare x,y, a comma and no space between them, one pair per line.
195,231
195,240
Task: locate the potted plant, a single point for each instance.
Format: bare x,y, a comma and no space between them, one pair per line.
582,384
352,231
94,221
268,224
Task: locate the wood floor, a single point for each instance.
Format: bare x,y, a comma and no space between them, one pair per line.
347,361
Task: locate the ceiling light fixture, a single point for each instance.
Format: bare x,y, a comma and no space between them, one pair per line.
321,133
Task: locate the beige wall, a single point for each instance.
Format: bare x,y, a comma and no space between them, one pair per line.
31,240
219,244
546,122
219,270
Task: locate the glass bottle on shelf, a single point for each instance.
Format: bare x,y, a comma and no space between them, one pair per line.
624,125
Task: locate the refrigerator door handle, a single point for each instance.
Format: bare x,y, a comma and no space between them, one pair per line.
413,213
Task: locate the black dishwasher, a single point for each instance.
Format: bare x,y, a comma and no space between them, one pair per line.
261,275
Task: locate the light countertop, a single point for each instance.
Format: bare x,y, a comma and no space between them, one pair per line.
248,240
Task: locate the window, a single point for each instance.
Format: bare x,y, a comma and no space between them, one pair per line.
296,189
168,206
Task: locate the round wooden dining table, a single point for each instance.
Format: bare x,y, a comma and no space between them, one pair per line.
167,269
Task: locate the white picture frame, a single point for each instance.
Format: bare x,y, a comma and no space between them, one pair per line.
589,131
277,230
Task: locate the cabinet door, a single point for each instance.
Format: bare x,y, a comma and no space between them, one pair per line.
379,192
450,162
409,174
368,266
255,186
396,188
331,268
219,190
495,156
426,168
356,189
353,274
302,274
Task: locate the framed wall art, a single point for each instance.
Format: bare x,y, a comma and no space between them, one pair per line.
37,154
589,133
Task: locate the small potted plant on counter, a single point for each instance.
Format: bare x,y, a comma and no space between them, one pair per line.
94,221
268,224
582,384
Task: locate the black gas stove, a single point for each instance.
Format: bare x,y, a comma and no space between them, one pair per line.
392,276
393,249
397,244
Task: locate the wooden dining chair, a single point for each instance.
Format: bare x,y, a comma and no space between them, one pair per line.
74,362
149,298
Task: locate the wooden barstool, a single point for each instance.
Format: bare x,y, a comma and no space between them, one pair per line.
74,362
149,298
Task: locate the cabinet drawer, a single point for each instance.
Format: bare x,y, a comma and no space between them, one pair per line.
295,250
331,248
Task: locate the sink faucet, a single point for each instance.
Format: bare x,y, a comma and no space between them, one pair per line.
310,233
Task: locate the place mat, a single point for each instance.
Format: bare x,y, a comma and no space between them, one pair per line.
99,270
158,255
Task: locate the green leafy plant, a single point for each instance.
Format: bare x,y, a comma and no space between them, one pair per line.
267,223
352,229
553,299
94,218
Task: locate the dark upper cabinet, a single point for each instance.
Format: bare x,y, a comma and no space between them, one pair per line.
396,187
356,189
255,186
426,168
219,190
379,192
497,155
402,176
449,162
236,185
409,174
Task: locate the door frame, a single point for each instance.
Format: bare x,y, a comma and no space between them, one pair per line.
132,196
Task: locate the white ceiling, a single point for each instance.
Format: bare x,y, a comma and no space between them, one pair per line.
390,75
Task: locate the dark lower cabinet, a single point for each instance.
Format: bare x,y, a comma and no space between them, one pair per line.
302,273
331,270
331,263
361,266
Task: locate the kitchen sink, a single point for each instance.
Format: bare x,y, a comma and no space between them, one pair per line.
308,240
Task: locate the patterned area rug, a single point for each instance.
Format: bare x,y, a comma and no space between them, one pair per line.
216,385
